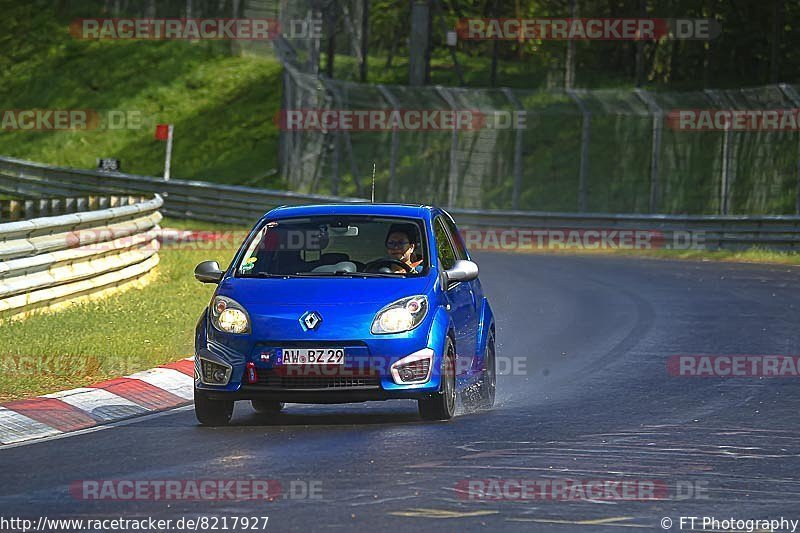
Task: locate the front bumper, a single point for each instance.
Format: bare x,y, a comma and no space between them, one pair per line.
316,396
365,375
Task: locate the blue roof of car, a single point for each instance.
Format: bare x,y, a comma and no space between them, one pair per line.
398,210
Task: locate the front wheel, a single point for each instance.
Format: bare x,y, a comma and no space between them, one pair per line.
487,385
442,405
212,412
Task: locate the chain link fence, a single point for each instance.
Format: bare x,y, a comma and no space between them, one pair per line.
609,150
622,151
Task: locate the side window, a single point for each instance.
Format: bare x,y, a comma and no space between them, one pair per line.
455,236
444,250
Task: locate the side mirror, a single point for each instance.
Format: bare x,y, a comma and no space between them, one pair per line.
462,270
208,272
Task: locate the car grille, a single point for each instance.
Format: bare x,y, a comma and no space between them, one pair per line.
273,381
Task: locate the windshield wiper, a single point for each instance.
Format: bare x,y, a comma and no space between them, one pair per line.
266,275
347,273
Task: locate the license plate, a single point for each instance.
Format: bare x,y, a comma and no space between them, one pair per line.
313,356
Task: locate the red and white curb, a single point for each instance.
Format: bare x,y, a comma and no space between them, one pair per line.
165,387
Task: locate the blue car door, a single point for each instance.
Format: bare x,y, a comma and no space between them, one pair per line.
460,298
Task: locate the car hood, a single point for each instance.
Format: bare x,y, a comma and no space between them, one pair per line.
347,306
322,291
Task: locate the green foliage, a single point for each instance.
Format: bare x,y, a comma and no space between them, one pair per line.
222,106
741,54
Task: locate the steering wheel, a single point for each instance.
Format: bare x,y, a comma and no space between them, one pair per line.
379,264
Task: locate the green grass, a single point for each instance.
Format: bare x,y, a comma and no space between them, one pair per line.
751,255
222,106
124,333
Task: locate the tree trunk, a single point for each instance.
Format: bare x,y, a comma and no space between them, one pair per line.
777,34
364,39
419,43
521,40
493,75
640,48
569,64
332,18
392,51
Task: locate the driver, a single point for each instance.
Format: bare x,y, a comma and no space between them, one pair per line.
401,243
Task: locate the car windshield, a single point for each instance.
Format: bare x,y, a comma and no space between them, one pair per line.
355,246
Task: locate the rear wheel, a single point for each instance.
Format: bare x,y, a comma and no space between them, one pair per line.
487,385
267,407
212,412
442,405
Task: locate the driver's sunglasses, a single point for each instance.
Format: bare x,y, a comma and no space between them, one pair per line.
397,244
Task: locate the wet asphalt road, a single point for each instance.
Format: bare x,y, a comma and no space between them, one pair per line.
590,399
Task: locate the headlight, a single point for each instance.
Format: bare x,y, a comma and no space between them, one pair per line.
228,316
403,315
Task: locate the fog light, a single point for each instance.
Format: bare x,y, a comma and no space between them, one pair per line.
414,368
213,373
406,374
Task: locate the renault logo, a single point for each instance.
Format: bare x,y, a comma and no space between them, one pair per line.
310,320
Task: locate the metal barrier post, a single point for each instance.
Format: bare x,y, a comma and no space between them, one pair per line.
792,95
725,178
585,139
518,133
285,137
337,96
390,98
452,175
655,151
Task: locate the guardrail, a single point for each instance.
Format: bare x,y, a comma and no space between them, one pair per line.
11,210
229,203
183,199
49,260
711,232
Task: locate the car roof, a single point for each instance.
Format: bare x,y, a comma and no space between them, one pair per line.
398,210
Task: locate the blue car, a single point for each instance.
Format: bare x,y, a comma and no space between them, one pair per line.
345,303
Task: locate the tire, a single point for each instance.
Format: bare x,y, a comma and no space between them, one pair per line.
442,405
487,386
267,407
212,412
